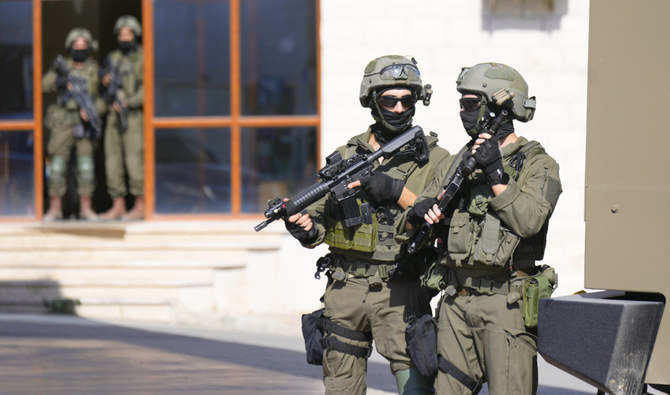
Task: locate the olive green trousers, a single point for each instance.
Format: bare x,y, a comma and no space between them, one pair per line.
61,142
486,338
381,310
124,152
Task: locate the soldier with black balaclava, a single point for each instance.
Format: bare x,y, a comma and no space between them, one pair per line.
490,237
124,137
372,289
73,124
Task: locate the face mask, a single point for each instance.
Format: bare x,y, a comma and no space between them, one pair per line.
470,121
390,124
126,47
80,55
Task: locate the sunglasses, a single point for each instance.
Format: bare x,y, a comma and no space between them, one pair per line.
407,101
470,103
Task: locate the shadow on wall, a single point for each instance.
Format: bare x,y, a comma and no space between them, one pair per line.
35,296
542,15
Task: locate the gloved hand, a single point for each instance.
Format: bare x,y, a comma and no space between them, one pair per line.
297,231
416,214
61,82
489,159
382,189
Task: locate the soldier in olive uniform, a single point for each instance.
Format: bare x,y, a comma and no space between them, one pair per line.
495,232
124,138
71,124
373,290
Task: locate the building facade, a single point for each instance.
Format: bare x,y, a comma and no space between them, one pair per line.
243,100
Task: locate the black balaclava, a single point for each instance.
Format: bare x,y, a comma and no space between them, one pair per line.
472,120
127,47
388,123
80,55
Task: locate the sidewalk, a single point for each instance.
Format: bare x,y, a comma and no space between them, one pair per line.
65,354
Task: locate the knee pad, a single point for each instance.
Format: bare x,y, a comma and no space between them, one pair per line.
86,167
411,382
58,168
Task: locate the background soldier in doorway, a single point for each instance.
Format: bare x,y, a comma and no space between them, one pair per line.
124,138
372,290
496,231
73,121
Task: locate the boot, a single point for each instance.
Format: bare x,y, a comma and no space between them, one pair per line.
117,211
137,212
85,209
55,210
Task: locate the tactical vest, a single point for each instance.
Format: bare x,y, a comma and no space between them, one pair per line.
477,237
375,237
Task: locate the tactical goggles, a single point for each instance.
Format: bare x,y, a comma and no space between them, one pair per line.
389,101
470,103
398,72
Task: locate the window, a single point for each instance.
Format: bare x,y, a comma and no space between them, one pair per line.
17,164
16,59
236,118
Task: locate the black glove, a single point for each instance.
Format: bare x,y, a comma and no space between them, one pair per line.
61,82
297,231
416,213
382,189
489,159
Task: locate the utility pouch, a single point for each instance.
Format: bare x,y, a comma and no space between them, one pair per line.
312,333
421,338
486,242
435,277
496,244
362,237
531,289
461,239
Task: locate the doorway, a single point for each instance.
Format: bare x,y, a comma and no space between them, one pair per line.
99,17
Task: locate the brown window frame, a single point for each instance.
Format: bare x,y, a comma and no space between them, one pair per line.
235,122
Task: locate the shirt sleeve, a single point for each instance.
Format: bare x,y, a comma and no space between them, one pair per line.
525,205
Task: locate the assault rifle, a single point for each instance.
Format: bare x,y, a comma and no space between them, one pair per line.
115,94
79,92
338,173
490,125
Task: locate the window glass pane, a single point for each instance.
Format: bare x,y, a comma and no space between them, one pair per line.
193,171
276,162
16,59
192,60
17,189
278,57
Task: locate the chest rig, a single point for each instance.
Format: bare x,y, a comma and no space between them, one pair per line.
477,237
362,227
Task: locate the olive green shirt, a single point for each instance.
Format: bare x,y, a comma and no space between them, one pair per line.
88,72
415,175
523,208
130,67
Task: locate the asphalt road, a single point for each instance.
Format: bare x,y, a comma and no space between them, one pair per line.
63,354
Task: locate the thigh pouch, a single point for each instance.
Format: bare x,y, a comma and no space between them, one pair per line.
316,331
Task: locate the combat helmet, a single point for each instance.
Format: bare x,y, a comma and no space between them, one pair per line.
390,71
80,32
128,21
489,79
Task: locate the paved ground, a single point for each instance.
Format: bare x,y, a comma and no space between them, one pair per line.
62,354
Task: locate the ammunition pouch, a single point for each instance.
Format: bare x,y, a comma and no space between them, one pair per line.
530,290
435,277
421,339
314,329
341,234
476,243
